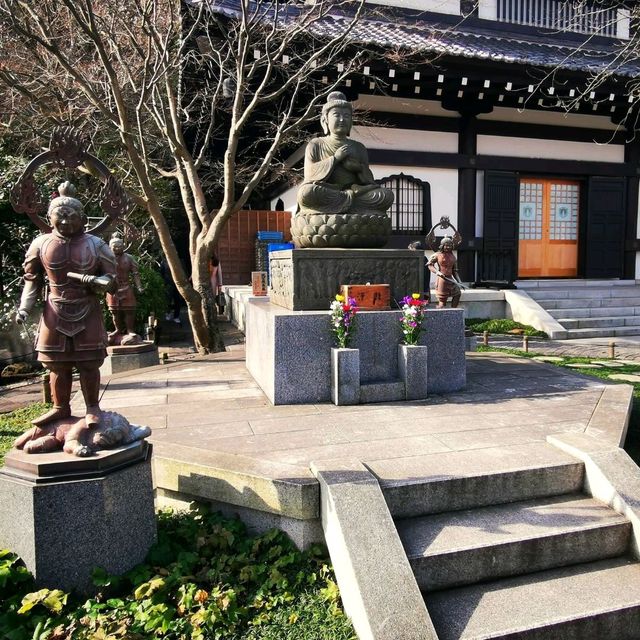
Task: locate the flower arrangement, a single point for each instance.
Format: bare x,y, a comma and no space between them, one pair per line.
343,312
412,316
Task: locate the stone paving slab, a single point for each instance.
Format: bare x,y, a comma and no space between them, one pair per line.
207,413
209,406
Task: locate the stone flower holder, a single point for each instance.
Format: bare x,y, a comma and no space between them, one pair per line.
412,370
345,376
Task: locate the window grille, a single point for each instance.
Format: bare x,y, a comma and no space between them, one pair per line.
411,209
561,15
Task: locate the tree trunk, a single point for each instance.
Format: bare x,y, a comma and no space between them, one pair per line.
206,332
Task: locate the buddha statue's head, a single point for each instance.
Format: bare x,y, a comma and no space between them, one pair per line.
337,115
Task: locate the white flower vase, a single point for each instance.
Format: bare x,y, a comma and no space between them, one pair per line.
345,376
412,370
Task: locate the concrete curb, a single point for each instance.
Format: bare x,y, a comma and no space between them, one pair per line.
285,490
610,476
610,419
377,585
521,307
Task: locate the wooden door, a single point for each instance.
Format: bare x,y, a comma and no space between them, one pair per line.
548,228
499,258
605,227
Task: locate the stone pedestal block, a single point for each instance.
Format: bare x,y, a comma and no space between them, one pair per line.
345,376
289,352
412,369
64,520
125,358
308,279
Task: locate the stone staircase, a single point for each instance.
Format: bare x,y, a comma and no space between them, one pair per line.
589,308
548,562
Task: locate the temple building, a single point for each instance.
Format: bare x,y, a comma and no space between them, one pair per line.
492,117
515,119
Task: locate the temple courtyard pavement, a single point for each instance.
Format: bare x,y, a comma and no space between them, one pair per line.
217,438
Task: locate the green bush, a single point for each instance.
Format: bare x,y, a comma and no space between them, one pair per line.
204,579
502,326
152,300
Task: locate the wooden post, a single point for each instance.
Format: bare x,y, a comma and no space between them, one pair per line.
485,338
525,343
612,350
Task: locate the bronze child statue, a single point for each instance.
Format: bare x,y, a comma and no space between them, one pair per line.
443,265
77,266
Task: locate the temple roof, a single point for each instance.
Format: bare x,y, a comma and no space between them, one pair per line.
467,39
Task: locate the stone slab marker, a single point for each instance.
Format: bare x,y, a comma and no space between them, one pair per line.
377,586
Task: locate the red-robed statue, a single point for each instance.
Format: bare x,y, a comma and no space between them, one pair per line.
77,266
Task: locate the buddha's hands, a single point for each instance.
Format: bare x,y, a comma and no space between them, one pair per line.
342,153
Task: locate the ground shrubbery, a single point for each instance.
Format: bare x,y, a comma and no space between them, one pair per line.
502,326
205,579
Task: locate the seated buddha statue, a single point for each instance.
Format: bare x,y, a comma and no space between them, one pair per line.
337,177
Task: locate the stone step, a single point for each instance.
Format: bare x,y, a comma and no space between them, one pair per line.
592,601
594,323
476,478
585,293
589,323
464,547
612,332
573,283
382,391
587,303
595,312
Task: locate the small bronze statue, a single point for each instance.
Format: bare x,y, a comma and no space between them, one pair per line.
122,303
339,202
77,266
443,263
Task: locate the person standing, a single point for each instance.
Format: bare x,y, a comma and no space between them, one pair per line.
215,277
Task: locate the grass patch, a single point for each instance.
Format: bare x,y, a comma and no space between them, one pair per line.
16,423
632,442
205,579
502,326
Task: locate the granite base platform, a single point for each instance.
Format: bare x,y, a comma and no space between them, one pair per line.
308,279
65,516
289,352
125,358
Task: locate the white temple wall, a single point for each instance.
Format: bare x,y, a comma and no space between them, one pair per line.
551,149
437,6
406,139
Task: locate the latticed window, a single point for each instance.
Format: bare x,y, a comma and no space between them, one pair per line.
580,16
411,209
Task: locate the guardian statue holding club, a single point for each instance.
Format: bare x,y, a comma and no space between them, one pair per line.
77,267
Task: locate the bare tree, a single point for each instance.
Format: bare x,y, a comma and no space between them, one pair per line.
203,93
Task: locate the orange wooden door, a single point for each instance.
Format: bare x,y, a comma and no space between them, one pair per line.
548,223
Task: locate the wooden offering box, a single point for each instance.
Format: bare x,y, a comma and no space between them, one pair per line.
369,297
